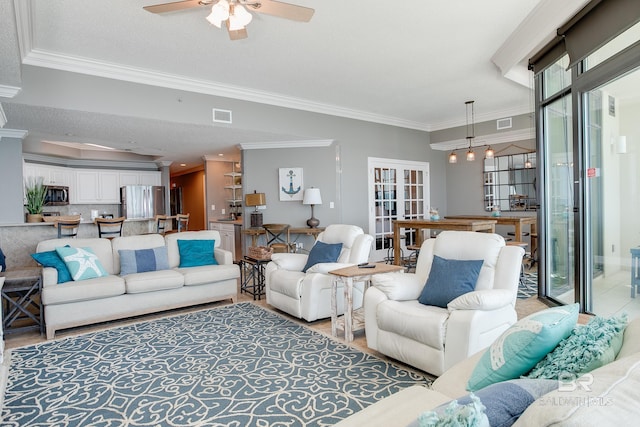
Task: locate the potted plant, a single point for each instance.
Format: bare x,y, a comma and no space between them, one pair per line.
35,192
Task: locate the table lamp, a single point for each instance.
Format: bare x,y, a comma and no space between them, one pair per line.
255,199
312,197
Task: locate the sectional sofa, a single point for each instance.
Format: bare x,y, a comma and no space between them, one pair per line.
115,296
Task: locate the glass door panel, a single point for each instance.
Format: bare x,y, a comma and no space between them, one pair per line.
560,200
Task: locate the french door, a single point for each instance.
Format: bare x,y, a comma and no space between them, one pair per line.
397,189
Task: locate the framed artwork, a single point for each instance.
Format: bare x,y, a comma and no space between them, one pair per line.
290,185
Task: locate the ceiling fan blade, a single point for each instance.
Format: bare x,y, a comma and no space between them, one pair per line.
170,7
282,10
238,34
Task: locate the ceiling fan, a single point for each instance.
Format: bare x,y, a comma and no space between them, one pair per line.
234,12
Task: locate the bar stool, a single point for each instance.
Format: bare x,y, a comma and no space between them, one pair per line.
278,237
183,222
67,228
109,227
161,224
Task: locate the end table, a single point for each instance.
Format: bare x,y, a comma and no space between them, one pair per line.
18,295
351,320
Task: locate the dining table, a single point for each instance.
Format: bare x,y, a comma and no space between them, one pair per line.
464,224
518,222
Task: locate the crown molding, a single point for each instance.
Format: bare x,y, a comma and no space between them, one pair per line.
13,133
9,91
482,140
285,144
88,163
43,58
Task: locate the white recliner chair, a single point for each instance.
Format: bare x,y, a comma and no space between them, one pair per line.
432,338
308,295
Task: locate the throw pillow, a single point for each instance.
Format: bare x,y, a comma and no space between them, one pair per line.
53,260
524,344
448,279
503,402
588,347
322,252
195,253
82,263
455,414
141,260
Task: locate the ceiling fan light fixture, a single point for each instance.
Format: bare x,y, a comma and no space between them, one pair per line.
219,13
239,18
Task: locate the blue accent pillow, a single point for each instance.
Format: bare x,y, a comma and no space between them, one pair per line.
194,253
448,279
524,344
503,402
141,260
82,263
3,261
588,347
52,259
322,252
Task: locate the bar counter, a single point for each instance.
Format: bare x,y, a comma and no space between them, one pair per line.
19,241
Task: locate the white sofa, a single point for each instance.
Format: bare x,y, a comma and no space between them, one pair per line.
607,396
433,338
77,303
308,295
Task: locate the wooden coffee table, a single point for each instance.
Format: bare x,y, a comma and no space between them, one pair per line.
352,321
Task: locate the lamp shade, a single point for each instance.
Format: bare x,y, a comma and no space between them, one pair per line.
312,197
255,199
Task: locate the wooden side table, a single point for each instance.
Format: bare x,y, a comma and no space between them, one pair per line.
351,321
18,295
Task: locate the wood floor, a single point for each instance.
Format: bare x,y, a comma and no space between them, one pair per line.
523,307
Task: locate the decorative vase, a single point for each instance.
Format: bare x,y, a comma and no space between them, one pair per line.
34,217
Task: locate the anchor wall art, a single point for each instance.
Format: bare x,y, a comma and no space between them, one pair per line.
291,186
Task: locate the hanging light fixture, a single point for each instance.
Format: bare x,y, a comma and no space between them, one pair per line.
471,156
453,157
527,162
489,153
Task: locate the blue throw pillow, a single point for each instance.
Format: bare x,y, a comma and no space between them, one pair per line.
141,260
322,252
82,263
524,344
588,347
194,253
3,261
52,259
503,402
448,279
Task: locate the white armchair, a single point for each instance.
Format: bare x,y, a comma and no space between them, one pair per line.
432,338
308,295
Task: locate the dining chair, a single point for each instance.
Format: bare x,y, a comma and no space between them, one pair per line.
67,228
278,237
109,227
183,222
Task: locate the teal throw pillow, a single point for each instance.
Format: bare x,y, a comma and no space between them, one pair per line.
53,260
448,279
503,402
141,260
82,263
323,252
588,347
455,414
523,345
195,253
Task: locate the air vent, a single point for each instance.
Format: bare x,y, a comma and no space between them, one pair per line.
504,123
221,116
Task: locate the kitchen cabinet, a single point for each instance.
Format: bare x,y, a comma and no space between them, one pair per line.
51,175
140,178
230,236
96,186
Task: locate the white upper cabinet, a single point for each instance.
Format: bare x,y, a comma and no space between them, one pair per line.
96,186
140,178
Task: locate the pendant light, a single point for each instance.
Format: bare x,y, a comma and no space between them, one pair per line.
453,157
489,153
471,156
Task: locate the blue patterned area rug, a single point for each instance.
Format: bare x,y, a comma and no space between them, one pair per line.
237,365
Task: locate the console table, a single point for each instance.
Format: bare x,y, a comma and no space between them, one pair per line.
255,232
19,292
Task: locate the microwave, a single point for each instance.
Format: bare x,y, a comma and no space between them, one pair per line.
56,195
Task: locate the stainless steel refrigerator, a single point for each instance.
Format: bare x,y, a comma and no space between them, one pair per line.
142,201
